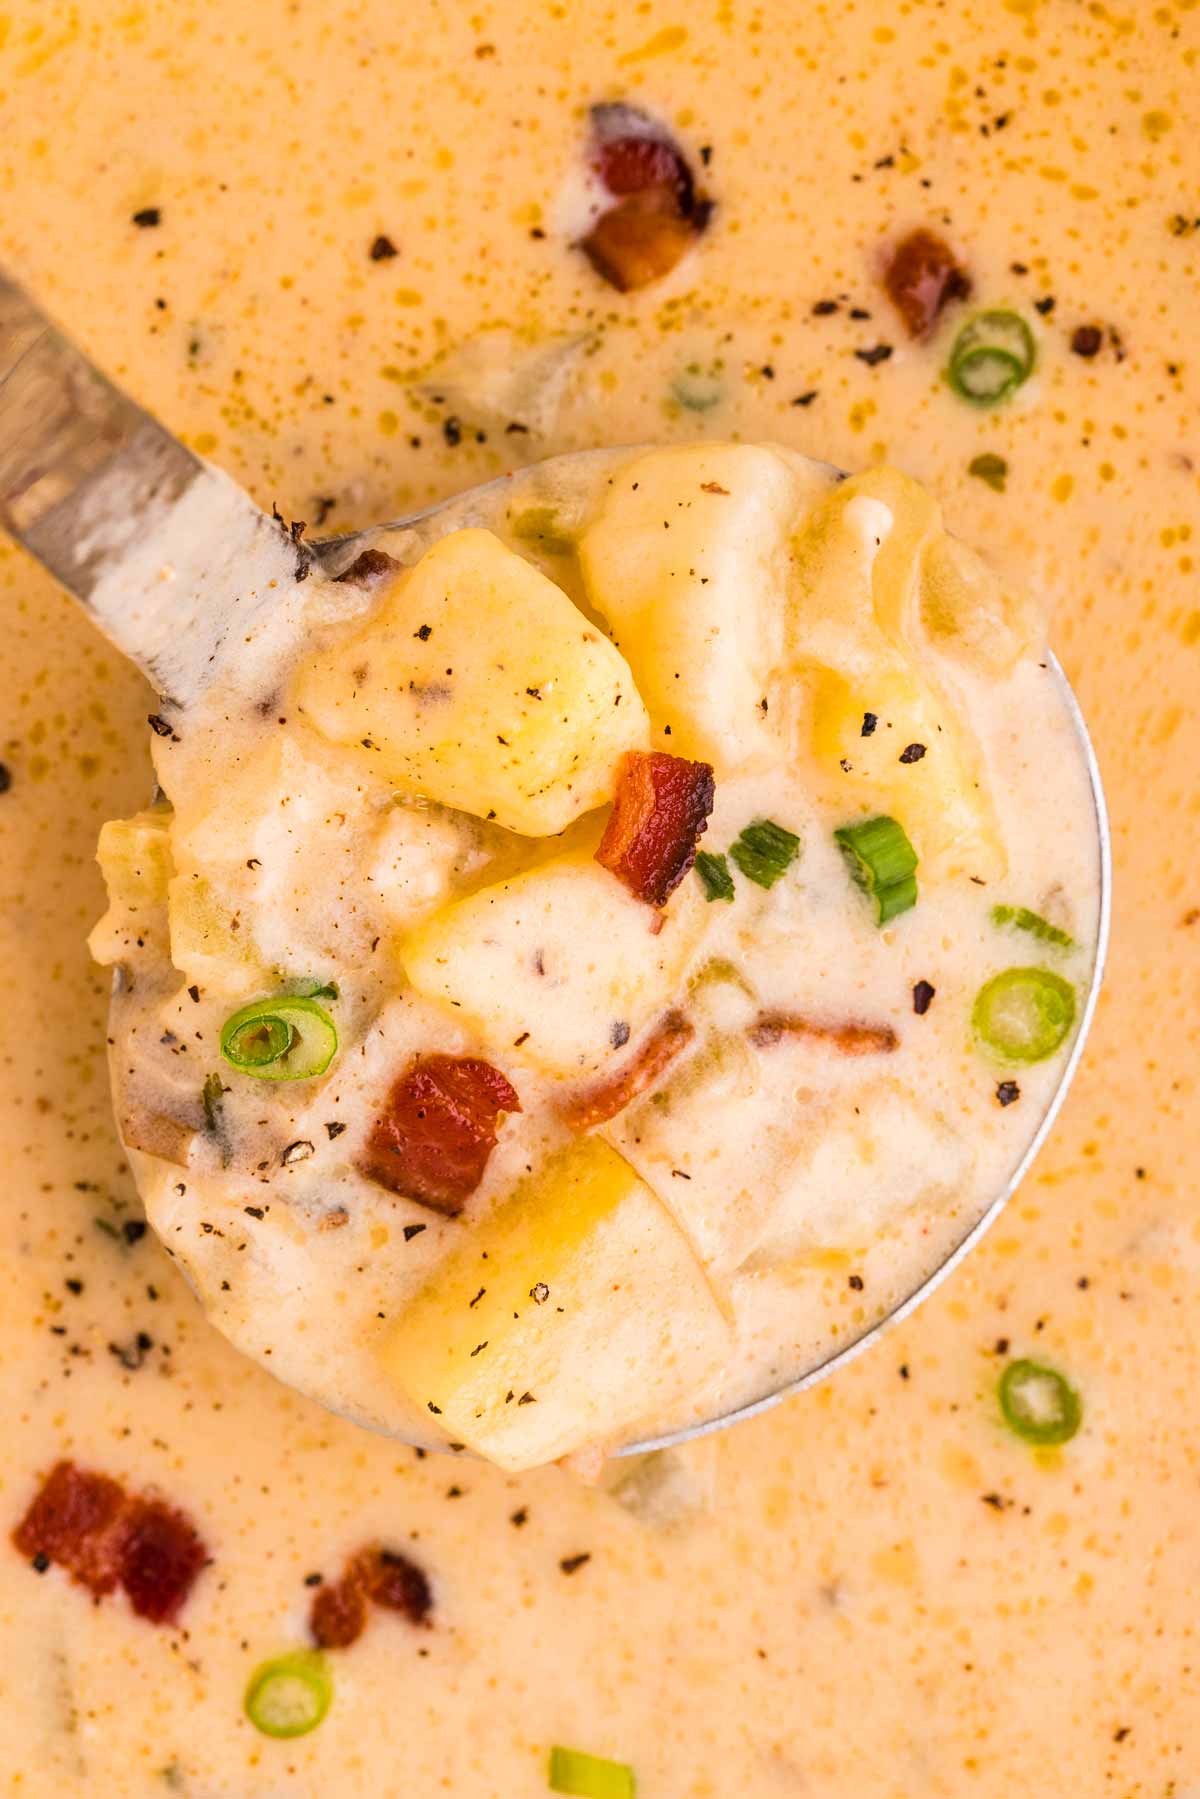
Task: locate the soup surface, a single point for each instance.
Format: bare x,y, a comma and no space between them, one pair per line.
320,246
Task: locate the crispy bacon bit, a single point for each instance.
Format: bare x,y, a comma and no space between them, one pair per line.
433,1140
661,808
397,1584
602,1101
71,1520
657,213
161,1555
921,278
848,1039
338,1615
369,569
90,1526
377,1576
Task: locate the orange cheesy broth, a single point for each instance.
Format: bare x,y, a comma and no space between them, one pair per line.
886,1591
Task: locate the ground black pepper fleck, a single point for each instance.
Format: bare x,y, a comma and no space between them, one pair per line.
913,753
333,1129
520,1517
5,777
922,995
856,1281
383,249
806,399
1007,1092
571,1563
133,1230
870,720
879,353
1086,340
148,217
452,431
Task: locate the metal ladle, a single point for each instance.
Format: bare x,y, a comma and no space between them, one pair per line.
152,540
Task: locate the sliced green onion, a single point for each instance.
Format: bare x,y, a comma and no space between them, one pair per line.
1024,1014
1022,919
697,389
288,1038
990,468
590,1776
992,355
764,851
882,862
715,877
312,989
1038,1403
289,1696
539,525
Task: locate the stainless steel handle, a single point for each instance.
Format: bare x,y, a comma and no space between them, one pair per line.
75,451
168,554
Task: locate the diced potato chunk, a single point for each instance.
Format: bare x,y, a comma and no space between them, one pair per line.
208,945
857,646
478,683
572,1311
135,859
549,963
881,1152
688,563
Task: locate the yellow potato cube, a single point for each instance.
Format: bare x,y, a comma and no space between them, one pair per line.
548,963
135,859
688,563
857,645
572,1311
478,683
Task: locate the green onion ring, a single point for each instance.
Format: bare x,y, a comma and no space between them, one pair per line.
287,1038
289,1696
1038,1403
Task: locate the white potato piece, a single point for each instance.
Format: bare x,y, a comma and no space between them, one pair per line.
687,561
573,1310
556,958
475,681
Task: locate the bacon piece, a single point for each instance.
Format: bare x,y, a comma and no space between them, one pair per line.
658,213
89,1525
369,569
604,1099
374,1576
338,1615
432,1141
662,806
849,1039
71,1521
921,278
632,152
397,1584
161,1555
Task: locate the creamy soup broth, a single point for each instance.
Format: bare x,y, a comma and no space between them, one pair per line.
876,1587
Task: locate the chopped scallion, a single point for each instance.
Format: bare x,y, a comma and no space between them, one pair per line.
1038,1403
289,1697
993,355
697,389
590,1776
1022,919
715,877
882,862
1024,1014
540,525
990,468
288,1038
764,851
